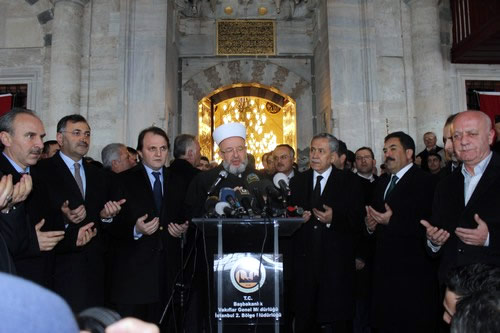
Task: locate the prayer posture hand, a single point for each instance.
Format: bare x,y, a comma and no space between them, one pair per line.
47,240
76,215
434,234
475,236
111,208
324,217
85,234
147,228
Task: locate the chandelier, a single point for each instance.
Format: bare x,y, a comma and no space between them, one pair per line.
251,112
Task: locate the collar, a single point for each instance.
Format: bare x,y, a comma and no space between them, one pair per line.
479,168
402,172
325,173
15,165
371,178
149,171
68,161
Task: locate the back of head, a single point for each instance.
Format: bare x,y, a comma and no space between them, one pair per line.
111,153
476,313
182,143
466,280
27,307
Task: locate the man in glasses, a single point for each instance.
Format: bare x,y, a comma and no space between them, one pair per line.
78,202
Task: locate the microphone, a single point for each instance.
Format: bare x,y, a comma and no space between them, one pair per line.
267,187
210,204
294,211
280,180
228,194
254,186
246,199
222,175
224,208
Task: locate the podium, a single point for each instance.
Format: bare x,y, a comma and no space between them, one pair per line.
248,281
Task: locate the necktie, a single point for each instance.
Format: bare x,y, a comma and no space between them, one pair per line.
78,178
392,185
157,192
317,191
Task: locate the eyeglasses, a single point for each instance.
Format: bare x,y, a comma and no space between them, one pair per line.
360,158
78,133
232,150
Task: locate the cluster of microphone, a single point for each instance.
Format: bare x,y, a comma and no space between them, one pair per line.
259,198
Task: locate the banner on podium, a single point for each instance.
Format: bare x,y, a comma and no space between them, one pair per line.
248,286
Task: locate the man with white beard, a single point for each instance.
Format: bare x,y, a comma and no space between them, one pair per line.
232,148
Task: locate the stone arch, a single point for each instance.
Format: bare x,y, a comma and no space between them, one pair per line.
247,71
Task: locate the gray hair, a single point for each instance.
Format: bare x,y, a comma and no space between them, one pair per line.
333,142
111,153
7,120
181,144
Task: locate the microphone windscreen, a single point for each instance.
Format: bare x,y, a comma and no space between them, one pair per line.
279,176
219,207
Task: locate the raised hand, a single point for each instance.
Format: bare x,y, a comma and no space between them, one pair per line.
111,208
475,236
176,230
324,217
147,228
47,240
85,234
76,215
434,234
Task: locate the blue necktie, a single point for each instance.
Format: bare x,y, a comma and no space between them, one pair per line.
157,192
392,185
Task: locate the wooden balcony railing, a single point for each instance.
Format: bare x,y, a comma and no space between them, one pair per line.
476,31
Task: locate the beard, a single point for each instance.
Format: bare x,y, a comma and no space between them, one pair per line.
235,170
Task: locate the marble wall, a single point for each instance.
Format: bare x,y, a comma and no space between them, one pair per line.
357,68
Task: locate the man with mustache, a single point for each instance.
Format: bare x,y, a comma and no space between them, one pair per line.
284,156
78,196
401,266
465,227
22,133
323,247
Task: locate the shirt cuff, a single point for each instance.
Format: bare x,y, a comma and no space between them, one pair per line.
108,220
487,243
434,248
369,231
137,234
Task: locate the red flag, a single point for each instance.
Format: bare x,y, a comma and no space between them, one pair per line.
5,103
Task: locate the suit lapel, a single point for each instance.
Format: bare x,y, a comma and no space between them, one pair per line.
487,180
7,168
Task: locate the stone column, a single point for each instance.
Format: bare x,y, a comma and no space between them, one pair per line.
65,63
431,109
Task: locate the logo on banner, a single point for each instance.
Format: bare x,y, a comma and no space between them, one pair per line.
246,275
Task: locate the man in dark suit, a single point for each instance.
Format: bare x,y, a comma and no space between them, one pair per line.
324,246
78,199
142,232
402,268
180,173
364,163
465,226
22,134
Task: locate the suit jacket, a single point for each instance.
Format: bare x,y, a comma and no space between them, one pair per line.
323,259
79,271
139,265
18,228
450,212
402,269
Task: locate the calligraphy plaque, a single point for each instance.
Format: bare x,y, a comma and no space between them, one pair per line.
246,37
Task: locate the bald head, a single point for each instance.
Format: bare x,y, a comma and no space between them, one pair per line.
472,136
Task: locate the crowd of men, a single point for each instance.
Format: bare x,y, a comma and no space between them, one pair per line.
384,253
